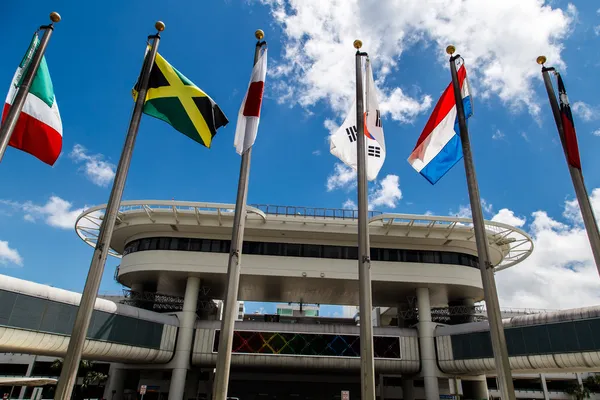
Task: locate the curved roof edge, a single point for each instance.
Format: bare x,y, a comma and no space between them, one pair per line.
520,245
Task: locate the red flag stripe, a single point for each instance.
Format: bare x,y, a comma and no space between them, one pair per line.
254,99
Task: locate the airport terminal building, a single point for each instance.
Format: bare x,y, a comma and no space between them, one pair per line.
431,339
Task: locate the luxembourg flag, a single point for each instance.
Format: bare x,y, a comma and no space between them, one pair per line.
439,146
249,114
39,127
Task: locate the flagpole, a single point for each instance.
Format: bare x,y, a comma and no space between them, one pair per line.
488,280
367,367
7,128
68,375
587,212
234,266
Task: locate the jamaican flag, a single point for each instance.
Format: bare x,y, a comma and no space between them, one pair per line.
176,100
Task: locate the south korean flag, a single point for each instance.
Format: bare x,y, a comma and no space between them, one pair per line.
343,142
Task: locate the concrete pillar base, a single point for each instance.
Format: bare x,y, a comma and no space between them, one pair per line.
427,345
187,320
115,384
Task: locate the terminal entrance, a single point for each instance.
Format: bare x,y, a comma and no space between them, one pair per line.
294,386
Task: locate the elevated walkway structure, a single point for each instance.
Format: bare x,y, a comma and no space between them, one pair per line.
545,342
38,319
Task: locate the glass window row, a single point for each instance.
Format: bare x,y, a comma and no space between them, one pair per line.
564,337
37,314
300,250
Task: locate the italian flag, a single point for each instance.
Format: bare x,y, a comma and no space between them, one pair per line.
39,128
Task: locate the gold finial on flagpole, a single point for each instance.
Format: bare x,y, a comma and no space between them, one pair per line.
54,17
160,26
259,34
541,60
357,44
450,49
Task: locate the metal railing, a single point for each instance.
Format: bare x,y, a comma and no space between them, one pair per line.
314,212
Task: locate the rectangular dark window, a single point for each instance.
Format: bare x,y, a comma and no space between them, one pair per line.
184,244
255,248
153,244
515,342
412,256
27,312
352,253
272,249
215,246
293,250
195,244
557,339
7,300
144,244
312,250
174,244
332,252
205,246
432,257
164,243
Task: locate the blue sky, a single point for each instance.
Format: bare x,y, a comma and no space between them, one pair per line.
96,52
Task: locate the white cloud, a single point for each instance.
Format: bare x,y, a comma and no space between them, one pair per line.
387,192
97,170
318,60
9,255
585,111
343,177
597,30
498,135
464,211
349,205
525,137
507,216
561,272
596,132
316,153
56,212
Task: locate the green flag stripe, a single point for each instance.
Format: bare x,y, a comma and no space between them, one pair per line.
41,87
170,110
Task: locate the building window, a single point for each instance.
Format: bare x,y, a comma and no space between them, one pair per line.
301,250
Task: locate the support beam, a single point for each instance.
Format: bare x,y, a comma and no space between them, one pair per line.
116,382
427,345
187,320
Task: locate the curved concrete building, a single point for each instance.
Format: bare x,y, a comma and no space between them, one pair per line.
164,332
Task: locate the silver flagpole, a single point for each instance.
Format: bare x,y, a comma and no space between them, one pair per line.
507,389
367,367
587,213
234,267
7,128
68,374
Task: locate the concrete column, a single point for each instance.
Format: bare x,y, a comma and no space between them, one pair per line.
187,320
579,380
28,373
544,387
480,389
116,382
381,388
408,389
427,345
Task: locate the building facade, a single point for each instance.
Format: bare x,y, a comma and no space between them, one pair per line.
164,332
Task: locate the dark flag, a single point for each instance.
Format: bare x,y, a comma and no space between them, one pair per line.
568,126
